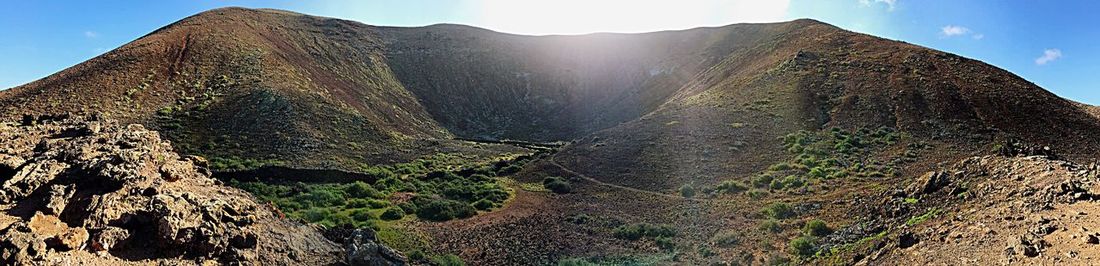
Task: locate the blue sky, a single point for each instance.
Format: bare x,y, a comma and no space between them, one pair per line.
1051,43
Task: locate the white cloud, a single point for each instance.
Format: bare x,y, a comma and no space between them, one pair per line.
952,30
1049,55
978,36
889,3
91,34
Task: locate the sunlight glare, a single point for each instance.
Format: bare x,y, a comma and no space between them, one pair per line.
588,16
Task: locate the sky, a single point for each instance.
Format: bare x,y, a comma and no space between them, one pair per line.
1054,44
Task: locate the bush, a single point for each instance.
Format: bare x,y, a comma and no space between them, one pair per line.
793,181
687,191
391,214
777,184
448,260
816,228
357,203
483,204
557,185
361,215
315,215
664,242
640,230
770,226
408,207
377,204
762,180
803,246
757,194
322,198
732,186
417,255
509,170
362,190
779,210
579,219
444,210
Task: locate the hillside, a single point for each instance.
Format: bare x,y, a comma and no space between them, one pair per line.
700,146
258,84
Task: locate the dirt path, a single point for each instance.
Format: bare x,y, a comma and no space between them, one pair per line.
553,161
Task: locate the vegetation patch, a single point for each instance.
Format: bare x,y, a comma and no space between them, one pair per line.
436,188
833,154
816,228
557,185
779,211
803,246
923,217
643,230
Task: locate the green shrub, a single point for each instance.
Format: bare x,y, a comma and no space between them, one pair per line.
509,170
664,242
640,230
770,226
322,197
793,181
762,180
394,213
483,204
779,210
314,215
777,184
803,246
357,203
579,219
687,191
361,215
706,252
448,260
362,190
377,204
337,219
417,255
443,210
732,186
779,167
408,207
816,228
757,194
557,185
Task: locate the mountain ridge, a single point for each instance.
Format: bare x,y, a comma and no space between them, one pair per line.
702,132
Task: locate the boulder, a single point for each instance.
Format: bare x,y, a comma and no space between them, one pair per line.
364,249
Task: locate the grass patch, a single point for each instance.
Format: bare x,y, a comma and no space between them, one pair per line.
932,213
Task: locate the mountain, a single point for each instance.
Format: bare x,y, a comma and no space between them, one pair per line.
258,84
713,130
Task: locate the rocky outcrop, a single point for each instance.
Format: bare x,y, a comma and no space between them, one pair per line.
85,191
364,249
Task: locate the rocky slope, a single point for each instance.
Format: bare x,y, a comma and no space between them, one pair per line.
1034,210
91,192
257,84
